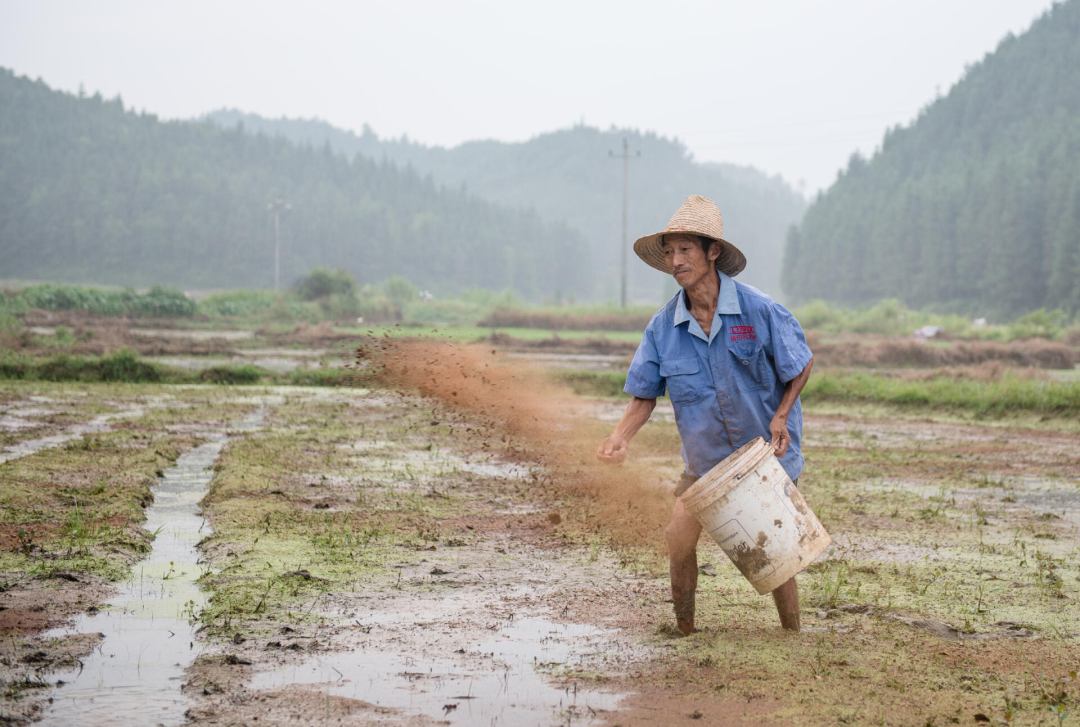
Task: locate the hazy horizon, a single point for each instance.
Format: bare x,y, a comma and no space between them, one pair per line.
796,89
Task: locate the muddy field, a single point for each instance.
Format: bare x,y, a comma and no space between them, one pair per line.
438,549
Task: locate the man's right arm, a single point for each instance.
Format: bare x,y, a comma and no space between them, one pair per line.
613,449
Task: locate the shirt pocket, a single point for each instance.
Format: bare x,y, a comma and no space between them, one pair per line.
752,371
685,383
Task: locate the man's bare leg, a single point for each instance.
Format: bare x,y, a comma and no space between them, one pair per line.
682,536
787,604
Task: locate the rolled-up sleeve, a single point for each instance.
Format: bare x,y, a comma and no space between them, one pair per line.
643,380
789,353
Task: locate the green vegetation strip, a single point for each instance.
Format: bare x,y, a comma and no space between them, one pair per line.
78,507
126,367
987,398
981,397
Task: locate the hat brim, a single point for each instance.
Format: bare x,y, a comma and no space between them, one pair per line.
731,261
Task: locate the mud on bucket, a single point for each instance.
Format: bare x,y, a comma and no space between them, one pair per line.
751,508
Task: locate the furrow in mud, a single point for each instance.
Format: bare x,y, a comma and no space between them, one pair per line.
149,636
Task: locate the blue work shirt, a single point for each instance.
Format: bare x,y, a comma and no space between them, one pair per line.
724,387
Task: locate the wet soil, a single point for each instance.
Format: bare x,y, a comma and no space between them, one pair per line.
375,560
475,608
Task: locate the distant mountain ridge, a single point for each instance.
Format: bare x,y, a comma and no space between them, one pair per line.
92,192
568,176
974,207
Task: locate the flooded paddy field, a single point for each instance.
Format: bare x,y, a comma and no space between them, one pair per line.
288,555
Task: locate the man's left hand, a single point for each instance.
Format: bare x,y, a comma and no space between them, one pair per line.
780,436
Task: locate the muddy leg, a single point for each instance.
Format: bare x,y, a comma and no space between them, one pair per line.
682,536
787,604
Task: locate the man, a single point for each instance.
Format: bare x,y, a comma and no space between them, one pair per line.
733,362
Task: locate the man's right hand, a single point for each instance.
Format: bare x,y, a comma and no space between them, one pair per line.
612,450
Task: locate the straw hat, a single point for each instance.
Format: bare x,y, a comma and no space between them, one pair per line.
697,216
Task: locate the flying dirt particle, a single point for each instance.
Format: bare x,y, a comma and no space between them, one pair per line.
778,523
554,518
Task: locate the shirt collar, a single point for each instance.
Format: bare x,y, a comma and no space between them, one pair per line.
727,303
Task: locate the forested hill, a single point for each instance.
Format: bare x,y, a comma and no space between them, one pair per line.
91,192
973,207
568,176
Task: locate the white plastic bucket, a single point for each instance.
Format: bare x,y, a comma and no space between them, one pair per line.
751,508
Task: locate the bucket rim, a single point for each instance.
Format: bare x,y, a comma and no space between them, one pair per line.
721,479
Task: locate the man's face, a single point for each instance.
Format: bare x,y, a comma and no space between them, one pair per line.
686,260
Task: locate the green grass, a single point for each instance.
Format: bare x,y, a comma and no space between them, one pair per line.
126,367
226,374
593,383
983,398
993,398
121,366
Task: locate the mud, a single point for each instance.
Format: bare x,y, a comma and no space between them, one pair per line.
499,619
435,564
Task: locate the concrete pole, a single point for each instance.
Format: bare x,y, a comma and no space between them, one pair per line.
277,248
276,206
625,203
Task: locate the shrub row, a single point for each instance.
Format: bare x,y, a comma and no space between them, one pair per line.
158,302
126,367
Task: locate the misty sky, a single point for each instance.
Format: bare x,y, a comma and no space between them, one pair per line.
791,86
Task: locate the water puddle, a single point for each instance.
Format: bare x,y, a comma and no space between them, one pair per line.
587,361
134,676
31,446
276,364
192,334
497,682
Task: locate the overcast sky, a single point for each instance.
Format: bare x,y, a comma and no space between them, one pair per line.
789,86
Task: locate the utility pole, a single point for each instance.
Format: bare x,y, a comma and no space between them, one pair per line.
276,207
625,156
